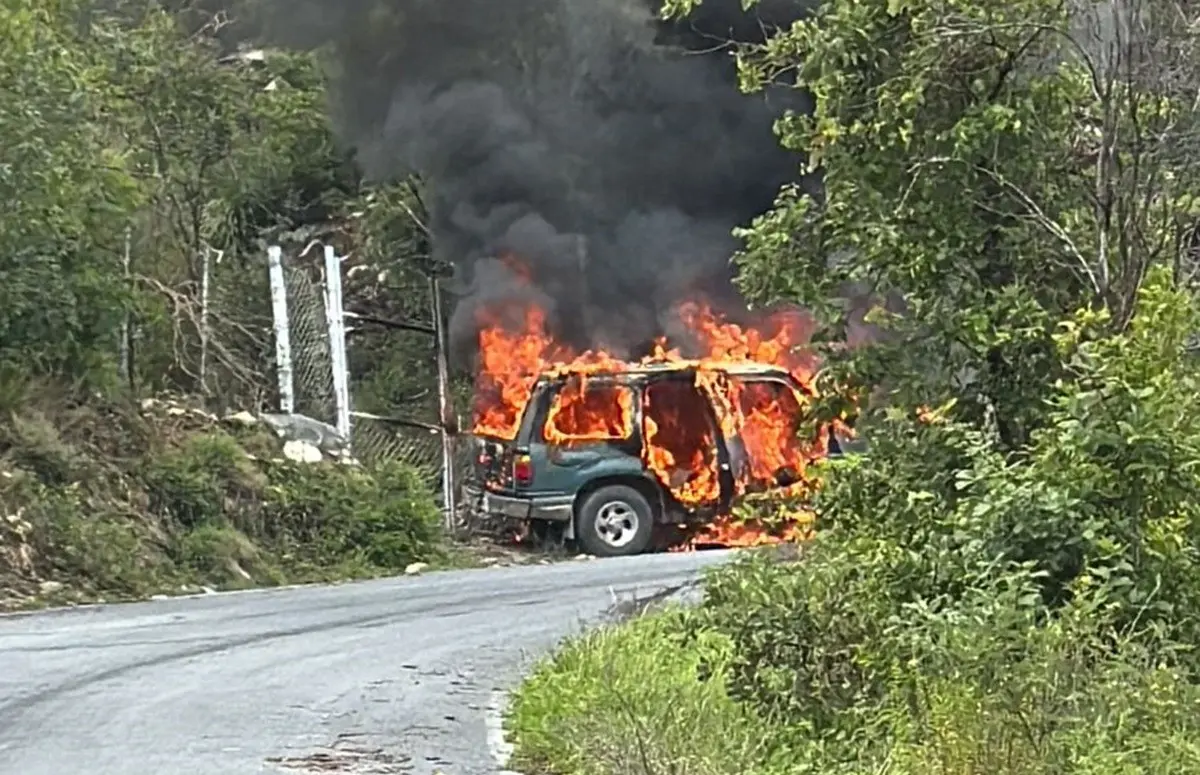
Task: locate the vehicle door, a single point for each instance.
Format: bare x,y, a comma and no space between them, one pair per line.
685,449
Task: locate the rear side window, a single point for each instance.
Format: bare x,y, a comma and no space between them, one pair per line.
584,410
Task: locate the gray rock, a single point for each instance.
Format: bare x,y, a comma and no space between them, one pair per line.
302,452
298,427
242,418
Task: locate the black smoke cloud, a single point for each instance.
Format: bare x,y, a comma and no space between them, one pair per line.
610,152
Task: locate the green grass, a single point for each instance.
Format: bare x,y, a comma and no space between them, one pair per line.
667,694
646,697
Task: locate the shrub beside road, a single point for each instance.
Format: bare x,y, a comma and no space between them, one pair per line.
650,696
963,609
119,502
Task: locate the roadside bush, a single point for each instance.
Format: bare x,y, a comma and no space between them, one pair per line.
857,675
989,688
383,516
966,610
208,480
1044,700
85,518
1107,492
32,443
312,515
224,556
936,538
64,536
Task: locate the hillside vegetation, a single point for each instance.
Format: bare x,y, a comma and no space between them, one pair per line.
1007,582
117,501
144,168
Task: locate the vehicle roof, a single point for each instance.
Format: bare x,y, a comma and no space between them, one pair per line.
654,368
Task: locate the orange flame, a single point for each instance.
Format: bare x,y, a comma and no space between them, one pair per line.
678,426
582,412
680,449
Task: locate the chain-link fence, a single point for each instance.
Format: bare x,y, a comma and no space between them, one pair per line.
409,433
312,371
216,334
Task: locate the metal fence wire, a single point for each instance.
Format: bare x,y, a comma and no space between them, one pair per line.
312,364
372,440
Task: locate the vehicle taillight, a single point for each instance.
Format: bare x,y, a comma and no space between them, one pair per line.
523,470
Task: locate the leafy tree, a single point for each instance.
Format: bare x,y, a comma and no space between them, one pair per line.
126,133
230,149
995,165
396,371
65,193
1022,176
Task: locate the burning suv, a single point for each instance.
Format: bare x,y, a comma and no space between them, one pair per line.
608,452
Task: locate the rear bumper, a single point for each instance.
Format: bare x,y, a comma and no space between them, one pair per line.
554,508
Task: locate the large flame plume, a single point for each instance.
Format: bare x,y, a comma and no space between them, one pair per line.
515,349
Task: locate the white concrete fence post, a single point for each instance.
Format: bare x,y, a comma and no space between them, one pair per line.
336,321
283,341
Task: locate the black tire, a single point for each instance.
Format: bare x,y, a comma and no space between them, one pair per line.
614,521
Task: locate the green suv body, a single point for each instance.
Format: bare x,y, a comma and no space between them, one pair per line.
601,492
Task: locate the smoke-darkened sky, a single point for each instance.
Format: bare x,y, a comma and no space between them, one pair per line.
555,129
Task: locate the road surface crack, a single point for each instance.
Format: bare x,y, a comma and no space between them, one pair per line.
346,757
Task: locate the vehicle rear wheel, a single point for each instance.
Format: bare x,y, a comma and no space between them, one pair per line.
614,521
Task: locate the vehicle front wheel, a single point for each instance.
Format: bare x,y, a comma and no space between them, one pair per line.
614,521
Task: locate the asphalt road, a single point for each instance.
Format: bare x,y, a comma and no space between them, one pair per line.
390,676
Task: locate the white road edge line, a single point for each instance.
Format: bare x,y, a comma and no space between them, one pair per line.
497,742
